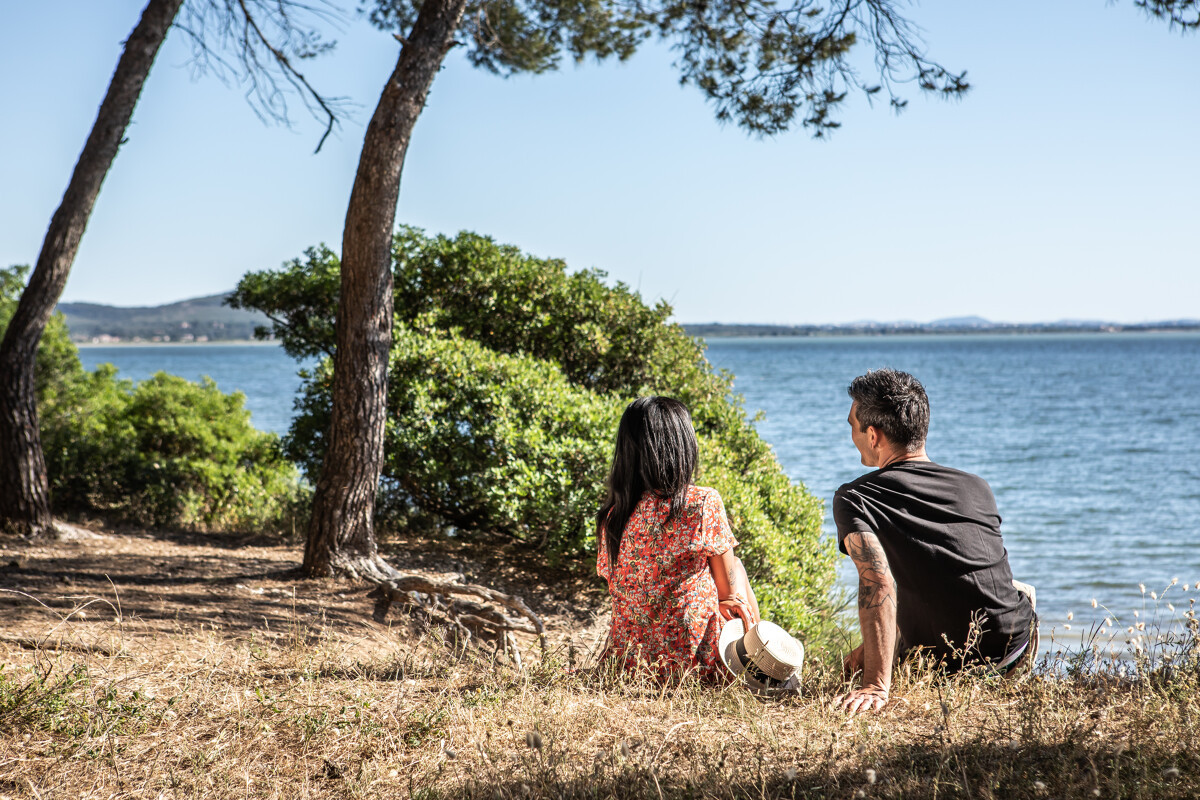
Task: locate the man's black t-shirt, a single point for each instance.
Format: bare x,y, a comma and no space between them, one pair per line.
940,530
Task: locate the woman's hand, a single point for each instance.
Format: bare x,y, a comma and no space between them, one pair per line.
737,606
735,597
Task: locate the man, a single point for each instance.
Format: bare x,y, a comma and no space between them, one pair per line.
932,569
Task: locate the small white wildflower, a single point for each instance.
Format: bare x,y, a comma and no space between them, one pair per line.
1131,629
1171,608
1171,773
1142,586
1174,580
1107,622
1066,626
1198,584
1154,595
1095,792
1103,631
1070,616
1136,614
1041,787
871,777
1094,603
1141,626
860,793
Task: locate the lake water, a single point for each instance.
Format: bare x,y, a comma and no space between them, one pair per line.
262,372
1089,441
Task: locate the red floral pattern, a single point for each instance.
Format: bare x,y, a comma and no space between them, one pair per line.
664,598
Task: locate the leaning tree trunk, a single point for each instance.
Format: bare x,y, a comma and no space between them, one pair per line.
341,536
24,488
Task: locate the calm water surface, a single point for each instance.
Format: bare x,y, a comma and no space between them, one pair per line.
262,372
1090,442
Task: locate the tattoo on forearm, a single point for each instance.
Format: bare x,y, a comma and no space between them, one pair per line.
875,585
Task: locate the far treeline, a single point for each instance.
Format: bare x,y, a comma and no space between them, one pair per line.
422,413
952,327
202,319
210,319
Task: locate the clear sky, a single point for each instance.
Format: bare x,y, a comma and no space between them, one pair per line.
1065,185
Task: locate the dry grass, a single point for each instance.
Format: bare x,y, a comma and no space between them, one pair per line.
228,677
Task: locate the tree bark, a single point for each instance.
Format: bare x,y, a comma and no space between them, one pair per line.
341,535
24,488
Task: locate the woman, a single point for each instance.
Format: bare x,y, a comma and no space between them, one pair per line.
666,549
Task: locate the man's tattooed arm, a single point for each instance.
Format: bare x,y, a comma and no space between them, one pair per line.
875,585
877,619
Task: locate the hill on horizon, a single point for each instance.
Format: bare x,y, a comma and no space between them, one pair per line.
199,319
208,319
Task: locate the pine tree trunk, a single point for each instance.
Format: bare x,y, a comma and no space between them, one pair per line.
341,535
24,488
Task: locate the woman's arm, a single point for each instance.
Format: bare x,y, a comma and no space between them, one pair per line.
744,580
735,596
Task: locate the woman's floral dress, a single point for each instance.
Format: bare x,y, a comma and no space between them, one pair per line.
664,598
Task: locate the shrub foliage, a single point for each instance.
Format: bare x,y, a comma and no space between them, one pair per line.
165,451
508,374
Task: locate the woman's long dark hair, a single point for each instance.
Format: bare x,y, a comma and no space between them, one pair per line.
656,451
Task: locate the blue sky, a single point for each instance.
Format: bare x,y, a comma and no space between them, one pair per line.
1065,185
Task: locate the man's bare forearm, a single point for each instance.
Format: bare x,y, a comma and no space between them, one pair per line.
878,624
876,609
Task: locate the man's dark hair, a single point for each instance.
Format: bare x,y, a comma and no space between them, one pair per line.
656,452
895,403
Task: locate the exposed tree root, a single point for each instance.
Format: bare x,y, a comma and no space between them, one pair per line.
469,620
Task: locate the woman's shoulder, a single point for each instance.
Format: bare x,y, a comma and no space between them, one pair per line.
702,495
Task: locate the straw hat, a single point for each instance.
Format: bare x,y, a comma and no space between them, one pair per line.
766,656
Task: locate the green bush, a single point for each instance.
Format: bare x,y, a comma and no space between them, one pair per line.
165,451
508,375
479,441
58,363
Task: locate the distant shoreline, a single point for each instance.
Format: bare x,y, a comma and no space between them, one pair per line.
706,331
762,332
209,343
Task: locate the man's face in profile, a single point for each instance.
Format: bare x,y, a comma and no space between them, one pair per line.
860,438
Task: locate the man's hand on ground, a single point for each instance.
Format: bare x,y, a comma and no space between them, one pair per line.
867,699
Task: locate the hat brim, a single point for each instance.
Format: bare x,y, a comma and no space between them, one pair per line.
731,632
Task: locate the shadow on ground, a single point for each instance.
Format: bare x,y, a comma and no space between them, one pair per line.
971,770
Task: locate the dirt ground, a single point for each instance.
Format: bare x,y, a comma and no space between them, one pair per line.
71,594
143,664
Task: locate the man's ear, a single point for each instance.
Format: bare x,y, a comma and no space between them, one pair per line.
873,436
